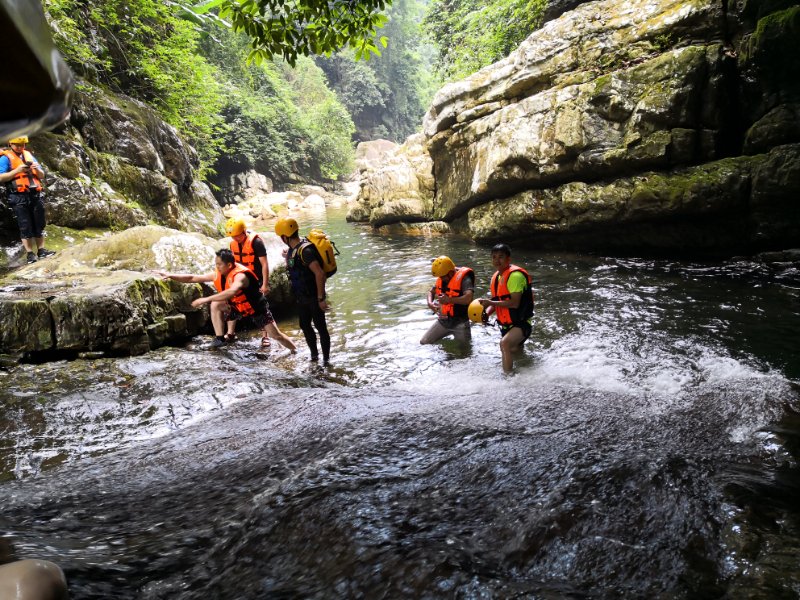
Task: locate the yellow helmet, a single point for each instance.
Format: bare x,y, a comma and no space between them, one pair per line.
234,226
475,311
286,226
23,139
442,266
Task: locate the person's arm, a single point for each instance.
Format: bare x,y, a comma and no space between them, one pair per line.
186,277
319,276
37,170
264,274
467,294
6,173
239,283
432,304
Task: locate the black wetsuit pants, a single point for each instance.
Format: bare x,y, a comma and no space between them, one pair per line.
310,312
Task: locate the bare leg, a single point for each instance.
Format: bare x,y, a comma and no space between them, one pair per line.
510,343
26,243
219,310
436,332
39,242
281,337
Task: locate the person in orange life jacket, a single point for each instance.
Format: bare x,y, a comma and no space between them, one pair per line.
511,301
307,278
249,250
23,176
237,296
449,299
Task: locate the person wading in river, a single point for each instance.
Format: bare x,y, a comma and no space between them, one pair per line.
23,175
304,265
238,296
512,302
449,298
249,250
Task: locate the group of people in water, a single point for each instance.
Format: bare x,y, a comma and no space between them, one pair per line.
241,280
452,299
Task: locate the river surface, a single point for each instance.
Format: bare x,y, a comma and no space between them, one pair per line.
645,447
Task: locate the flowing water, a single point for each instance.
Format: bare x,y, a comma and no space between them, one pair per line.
646,446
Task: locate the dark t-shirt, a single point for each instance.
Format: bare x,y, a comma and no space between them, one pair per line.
304,283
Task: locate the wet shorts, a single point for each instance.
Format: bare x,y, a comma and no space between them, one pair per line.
527,328
29,210
261,318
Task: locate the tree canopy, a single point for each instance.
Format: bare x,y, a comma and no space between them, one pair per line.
292,28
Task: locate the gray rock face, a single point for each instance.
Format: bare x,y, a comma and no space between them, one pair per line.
118,165
558,141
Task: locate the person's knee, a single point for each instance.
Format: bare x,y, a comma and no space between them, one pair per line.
32,580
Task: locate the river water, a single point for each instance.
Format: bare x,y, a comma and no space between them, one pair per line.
646,446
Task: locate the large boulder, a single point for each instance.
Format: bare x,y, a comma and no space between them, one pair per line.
396,185
103,295
117,164
558,141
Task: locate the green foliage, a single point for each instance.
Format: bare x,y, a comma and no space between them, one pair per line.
140,48
470,34
282,120
303,27
387,96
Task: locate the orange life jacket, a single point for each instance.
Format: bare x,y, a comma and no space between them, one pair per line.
22,182
245,254
499,287
242,301
453,290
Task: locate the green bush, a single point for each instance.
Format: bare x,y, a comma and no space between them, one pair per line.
470,34
140,48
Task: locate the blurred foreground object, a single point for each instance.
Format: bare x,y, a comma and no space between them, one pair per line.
36,85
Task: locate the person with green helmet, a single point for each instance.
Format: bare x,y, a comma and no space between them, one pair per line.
307,278
448,299
512,302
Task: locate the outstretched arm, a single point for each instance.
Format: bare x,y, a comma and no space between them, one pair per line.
185,277
239,283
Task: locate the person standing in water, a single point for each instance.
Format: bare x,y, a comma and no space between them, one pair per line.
449,298
249,250
304,265
512,302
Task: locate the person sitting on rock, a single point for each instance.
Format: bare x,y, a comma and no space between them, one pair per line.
448,299
238,296
23,176
249,250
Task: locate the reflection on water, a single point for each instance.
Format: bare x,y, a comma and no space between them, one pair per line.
646,446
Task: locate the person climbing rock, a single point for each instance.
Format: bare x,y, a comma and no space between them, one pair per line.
512,302
238,296
249,250
449,298
23,175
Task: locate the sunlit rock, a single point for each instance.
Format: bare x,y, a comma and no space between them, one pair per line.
398,187
552,143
